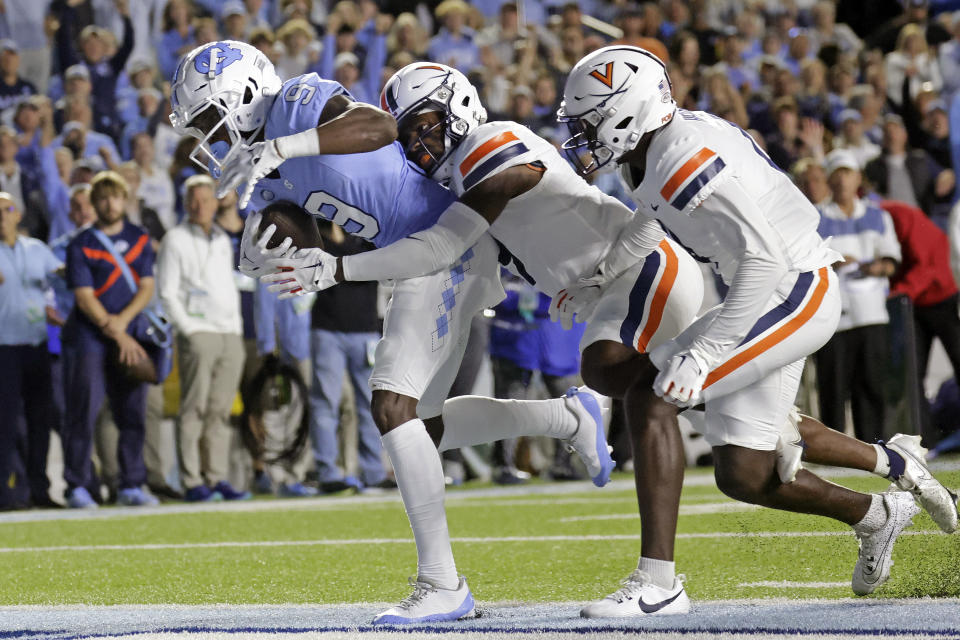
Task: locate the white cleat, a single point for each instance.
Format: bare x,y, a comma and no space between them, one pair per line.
590,440
428,603
876,549
640,597
938,501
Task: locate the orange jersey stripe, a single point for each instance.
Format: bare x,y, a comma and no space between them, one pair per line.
488,146
659,297
776,337
114,275
685,172
97,254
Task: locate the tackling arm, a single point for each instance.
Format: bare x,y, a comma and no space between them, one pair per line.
457,229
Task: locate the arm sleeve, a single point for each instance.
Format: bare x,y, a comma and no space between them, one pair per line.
119,59
761,269
144,262
637,239
324,67
78,271
168,284
457,229
65,51
373,66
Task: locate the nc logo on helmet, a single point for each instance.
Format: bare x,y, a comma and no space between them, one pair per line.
216,58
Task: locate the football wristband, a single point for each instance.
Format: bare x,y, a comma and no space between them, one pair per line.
305,143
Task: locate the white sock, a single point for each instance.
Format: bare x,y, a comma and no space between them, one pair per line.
419,474
883,461
875,517
661,572
469,420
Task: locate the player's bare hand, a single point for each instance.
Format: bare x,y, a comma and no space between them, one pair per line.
250,164
382,23
254,253
305,271
579,299
680,382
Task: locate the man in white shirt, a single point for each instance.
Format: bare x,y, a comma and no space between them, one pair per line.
851,364
196,285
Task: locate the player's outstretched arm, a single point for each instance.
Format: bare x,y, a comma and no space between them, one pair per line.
457,229
344,127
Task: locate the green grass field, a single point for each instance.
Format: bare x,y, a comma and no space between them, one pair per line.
300,568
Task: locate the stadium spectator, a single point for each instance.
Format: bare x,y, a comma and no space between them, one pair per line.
911,64
949,58
234,20
104,66
99,348
196,285
825,31
852,138
148,101
852,364
812,99
925,277
915,13
633,22
299,48
82,142
811,178
136,209
141,74
156,188
454,45
13,87
408,35
178,37
26,267
11,182
899,173
344,331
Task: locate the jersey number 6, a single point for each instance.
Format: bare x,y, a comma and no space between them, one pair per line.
353,220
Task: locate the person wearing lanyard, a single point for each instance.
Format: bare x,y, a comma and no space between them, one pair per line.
196,285
25,266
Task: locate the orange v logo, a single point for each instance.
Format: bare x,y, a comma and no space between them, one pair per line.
606,77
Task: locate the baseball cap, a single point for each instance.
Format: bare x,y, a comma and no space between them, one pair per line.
73,125
345,58
849,114
7,44
933,105
232,9
840,159
76,71
138,65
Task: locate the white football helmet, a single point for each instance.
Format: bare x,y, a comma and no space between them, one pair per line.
428,86
233,78
612,97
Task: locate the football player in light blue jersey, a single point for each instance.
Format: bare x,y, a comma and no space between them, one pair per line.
286,142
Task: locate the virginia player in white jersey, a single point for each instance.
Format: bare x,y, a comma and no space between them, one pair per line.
704,182
288,141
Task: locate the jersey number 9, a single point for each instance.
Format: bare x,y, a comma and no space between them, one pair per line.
353,220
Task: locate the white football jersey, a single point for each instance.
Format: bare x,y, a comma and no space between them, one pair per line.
697,153
556,232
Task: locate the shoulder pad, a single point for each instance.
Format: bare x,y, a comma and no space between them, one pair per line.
488,150
687,171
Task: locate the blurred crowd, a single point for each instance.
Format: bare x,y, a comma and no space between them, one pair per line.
102,214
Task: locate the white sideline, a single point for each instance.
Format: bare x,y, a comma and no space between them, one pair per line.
685,510
463,540
787,584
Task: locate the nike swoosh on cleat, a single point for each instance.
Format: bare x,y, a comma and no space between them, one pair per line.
653,608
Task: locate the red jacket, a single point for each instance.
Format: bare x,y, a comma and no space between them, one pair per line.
925,274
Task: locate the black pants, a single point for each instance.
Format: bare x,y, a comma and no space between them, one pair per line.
26,399
941,321
852,366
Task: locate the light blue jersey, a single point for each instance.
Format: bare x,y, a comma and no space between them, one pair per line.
378,195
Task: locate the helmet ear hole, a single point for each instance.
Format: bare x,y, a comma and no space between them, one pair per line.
623,124
247,96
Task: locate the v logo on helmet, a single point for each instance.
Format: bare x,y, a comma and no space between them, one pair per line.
217,58
606,77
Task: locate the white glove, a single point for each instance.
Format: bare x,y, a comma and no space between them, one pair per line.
250,164
305,271
681,382
578,299
253,247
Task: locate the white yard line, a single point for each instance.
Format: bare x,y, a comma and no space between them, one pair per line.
463,540
787,584
685,510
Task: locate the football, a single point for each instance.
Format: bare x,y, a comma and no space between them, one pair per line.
292,221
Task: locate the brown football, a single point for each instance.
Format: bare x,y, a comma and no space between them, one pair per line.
292,221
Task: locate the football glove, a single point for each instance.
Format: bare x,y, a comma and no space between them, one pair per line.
681,381
305,271
253,247
578,299
250,164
